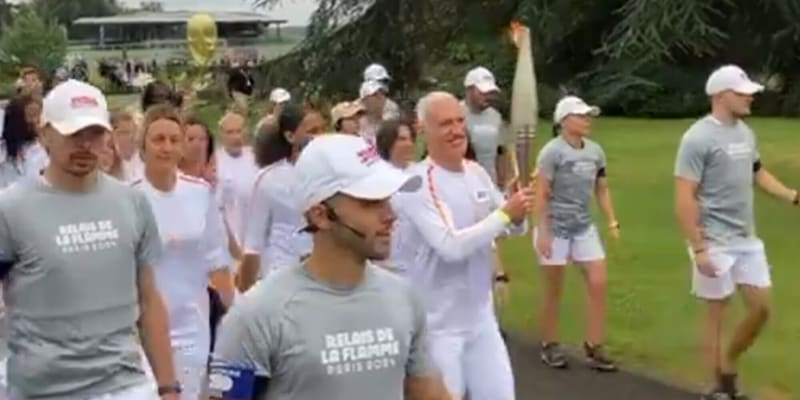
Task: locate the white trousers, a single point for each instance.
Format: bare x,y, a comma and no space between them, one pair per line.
474,363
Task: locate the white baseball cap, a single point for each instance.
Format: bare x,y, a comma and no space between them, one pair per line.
336,163
368,88
74,105
731,77
481,78
376,72
279,95
573,105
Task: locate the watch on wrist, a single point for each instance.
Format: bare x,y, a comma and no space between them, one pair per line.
174,388
502,278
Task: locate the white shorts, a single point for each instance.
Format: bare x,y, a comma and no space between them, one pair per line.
147,391
474,363
744,263
583,247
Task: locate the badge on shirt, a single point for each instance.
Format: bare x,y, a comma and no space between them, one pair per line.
482,195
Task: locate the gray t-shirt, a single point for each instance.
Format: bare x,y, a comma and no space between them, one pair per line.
721,159
71,294
572,173
485,133
319,342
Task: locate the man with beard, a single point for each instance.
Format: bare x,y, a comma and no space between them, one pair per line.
337,327
76,254
717,164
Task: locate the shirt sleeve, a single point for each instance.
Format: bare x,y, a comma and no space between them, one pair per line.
258,220
419,363
149,246
7,254
498,200
452,245
215,238
690,161
547,162
244,340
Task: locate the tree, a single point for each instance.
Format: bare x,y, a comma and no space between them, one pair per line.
32,40
632,57
65,12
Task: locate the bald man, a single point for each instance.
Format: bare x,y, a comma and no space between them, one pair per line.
236,171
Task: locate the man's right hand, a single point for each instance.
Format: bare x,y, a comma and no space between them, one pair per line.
703,264
519,205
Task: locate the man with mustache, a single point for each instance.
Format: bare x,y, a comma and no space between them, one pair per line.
76,254
335,326
454,221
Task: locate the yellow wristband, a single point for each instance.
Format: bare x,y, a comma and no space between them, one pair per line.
504,216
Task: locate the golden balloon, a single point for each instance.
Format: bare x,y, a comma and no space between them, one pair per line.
201,32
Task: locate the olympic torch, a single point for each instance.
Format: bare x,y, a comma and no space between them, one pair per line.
524,104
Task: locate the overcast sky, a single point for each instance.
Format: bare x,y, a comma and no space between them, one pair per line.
296,12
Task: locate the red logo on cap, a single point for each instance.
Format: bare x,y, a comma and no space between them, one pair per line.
83,102
368,155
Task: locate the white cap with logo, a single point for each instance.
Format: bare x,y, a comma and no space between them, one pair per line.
731,77
279,95
74,105
376,72
573,105
368,88
336,163
482,79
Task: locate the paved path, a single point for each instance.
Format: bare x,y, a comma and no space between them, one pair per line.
537,382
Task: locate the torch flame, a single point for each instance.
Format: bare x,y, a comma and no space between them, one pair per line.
516,29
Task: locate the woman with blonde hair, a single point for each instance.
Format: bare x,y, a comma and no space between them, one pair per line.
110,161
193,235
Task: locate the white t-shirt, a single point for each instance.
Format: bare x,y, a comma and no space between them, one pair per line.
34,159
275,219
133,169
485,133
449,227
193,238
235,175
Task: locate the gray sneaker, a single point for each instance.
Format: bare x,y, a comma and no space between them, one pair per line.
553,356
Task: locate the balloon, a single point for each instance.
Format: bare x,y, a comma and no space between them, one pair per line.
201,32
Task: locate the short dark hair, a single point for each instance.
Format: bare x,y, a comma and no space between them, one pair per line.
271,145
387,136
191,119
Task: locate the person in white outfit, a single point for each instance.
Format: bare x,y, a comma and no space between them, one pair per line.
236,171
455,218
571,169
193,238
272,231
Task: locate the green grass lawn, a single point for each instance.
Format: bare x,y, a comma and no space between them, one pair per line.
653,320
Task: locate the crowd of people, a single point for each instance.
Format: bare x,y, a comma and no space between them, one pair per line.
144,256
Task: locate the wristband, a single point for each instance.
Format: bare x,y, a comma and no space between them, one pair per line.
504,216
502,278
174,388
796,199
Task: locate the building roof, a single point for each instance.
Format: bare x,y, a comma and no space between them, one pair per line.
176,17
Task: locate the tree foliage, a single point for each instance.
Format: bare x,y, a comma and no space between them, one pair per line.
67,11
640,57
33,40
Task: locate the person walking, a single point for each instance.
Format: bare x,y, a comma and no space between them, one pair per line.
77,250
335,326
570,169
717,164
